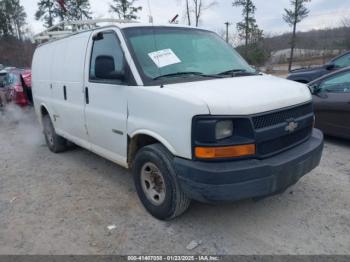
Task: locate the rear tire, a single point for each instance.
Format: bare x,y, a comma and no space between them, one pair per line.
156,183
54,142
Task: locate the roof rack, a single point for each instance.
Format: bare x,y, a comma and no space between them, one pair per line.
66,28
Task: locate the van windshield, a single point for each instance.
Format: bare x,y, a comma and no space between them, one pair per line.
171,54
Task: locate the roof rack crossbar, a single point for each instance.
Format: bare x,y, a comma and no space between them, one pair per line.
66,28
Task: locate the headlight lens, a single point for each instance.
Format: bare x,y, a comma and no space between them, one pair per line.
223,129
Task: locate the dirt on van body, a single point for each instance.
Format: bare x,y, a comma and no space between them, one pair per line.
79,203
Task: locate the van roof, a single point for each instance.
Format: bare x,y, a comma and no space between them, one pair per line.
128,25
68,28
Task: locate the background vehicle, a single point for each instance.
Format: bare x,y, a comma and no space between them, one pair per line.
306,75
3,75
26,79
331,95
18,82
3,88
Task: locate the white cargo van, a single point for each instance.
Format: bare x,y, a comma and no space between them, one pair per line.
179,107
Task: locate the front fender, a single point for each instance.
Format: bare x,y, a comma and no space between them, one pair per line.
156,136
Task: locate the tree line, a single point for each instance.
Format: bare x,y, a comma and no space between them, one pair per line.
12,18
253,44
14,48
49,11
248,30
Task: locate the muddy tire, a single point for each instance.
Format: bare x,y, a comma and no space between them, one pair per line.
156,183
54,142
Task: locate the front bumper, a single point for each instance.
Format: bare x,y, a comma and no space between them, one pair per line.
253,178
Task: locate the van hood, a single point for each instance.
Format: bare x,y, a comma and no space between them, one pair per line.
245,95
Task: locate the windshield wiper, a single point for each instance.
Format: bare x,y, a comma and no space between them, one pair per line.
185,74
237,72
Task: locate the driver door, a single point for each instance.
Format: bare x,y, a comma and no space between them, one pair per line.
105,97
332,105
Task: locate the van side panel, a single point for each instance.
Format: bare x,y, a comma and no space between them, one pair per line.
41,78
68,87
57,71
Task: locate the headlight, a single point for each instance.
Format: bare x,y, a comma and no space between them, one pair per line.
223,129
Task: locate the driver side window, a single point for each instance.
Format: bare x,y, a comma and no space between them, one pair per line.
107,59
343,61
337,84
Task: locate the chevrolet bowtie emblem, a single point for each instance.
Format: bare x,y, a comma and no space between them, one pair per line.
291,127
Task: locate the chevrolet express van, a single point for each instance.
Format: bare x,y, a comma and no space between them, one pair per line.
180,108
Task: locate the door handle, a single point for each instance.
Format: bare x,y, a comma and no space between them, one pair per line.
65,92
87,100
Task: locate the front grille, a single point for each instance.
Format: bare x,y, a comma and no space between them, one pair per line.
271,119
283,142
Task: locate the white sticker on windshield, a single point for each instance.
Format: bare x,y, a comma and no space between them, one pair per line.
164,58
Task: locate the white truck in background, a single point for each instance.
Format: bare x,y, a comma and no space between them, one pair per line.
179,107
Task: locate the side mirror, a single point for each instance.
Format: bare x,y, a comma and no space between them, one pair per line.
317,90
314,89
105,68
329,66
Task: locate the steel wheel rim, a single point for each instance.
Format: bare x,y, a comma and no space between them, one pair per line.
152,182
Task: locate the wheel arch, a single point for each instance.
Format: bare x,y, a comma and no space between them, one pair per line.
142,138
42,111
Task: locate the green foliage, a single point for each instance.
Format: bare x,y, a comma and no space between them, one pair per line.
248,29
77,10
12,18
248,25
297,13
292,17
49,10
257,54
125,9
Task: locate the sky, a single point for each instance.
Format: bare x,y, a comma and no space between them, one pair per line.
323,13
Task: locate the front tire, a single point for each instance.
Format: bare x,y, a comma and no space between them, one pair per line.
156,183
54,142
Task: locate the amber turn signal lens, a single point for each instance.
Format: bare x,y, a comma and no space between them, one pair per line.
225,152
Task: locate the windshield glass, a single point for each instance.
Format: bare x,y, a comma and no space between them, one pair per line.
168,54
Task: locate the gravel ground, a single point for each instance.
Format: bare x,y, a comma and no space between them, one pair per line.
63,204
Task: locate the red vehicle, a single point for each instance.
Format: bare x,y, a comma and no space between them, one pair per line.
19,84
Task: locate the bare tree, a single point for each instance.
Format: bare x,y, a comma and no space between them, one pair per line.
188,12
232,35
292,17
198,5
196,8
346,22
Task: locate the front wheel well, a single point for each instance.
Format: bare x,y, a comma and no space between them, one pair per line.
136,143
43,111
